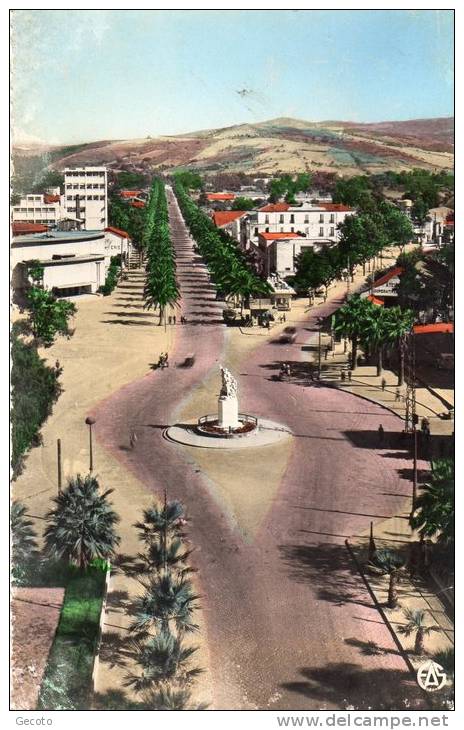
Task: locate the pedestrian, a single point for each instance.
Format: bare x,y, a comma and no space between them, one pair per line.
381,433
349,375
285,318
397,395
384,383
174,319
342,375
133,439
287,369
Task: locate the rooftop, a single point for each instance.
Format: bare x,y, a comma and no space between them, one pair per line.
221,218
117,232
280,236
56,237
25,228
275,208
220,196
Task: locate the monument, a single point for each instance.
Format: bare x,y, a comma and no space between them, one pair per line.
228,402
228,428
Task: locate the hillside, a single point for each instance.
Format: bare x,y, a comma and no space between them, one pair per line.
277,145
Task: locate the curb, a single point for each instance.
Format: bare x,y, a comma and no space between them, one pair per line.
387,623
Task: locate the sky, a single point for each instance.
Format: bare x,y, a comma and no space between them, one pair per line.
85,75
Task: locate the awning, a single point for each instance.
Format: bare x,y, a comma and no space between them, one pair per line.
437,328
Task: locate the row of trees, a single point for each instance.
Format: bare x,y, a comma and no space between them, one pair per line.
80,532
374,328
288,186
229,269
161,289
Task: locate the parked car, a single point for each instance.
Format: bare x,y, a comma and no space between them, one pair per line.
288,336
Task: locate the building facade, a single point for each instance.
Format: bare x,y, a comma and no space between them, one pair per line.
73,261
35,208
86,196
315,222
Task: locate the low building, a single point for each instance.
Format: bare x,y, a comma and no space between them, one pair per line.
235,223
117,242
220,197
383,290
73,261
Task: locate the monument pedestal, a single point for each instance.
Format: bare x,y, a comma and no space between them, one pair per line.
228,412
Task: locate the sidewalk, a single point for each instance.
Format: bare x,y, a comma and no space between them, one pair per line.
365,383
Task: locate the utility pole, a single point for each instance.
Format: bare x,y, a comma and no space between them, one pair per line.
348,279
90,421
319,349
58,454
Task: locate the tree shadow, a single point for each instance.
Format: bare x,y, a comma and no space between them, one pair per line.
312,563
369,648
347,685
130,322
115,699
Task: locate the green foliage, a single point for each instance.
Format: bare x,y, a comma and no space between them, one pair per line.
168,602
434,509
242,203
188,179
130,180
35,388
67,680
112,275
81,526
23,543
126,217
227,264
288,186
427,282
161,289
49,315
316,269
354,191
162,657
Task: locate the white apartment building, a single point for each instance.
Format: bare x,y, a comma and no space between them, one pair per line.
316,223
45,209
86,196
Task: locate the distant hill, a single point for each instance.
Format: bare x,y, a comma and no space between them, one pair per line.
277,145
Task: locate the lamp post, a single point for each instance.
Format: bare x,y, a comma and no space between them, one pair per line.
415,419
320,321
58,454
90,421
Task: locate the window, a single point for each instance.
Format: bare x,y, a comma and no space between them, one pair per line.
256,230
306,218
82,186
281,218
292,229
95,197
102,197
292,218
69,197
266,219
332,218
75,187
332,231
321,218
321,231
281,229
307,230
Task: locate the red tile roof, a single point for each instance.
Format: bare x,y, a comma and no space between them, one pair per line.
221,218
336,207
275,208
376,300
51,198
117,232
438,327
282,235
22,228
137,204
220,196
129,193
397,271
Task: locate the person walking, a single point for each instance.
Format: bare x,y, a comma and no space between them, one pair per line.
384,384
381,434
349,376
174,319
132,439
397,395
342,375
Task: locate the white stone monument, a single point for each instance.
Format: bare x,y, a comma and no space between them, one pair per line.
228,402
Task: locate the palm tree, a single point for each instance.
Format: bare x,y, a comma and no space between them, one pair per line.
166,553
350,321
157,520
167,598
161,658
81,527
416,624
387,562
398,327
23,539
434,509
374,331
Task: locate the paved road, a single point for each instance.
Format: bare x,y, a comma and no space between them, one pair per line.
290,624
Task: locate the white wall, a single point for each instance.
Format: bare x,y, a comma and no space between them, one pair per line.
47,248
91,185
77,274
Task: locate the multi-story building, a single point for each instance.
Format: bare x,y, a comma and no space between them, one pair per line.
318,223
35,208
86,196
235,223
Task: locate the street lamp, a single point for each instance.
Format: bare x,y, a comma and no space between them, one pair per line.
90,421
